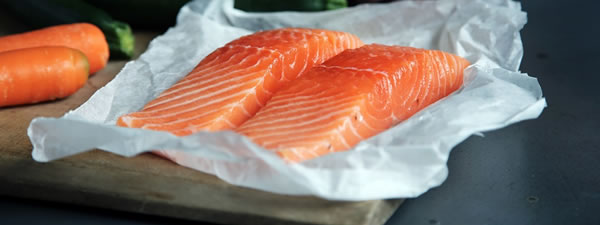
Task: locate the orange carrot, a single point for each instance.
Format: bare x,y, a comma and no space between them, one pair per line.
40,74
82,36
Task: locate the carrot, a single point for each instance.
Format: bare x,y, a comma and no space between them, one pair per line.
40,74
82,36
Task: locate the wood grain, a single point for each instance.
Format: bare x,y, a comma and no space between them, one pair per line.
152,185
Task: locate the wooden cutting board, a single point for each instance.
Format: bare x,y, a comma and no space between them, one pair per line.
150,184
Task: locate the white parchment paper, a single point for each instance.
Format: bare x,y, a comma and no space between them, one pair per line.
404,161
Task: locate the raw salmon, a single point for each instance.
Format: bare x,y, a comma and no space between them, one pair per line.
351,97
232,83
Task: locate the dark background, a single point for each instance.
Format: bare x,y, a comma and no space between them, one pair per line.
544,171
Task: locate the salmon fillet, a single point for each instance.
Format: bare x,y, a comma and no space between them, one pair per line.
351,97
232,83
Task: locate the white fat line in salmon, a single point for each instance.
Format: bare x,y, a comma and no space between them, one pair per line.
428,78
167,98
416,81
315,123
307,55
313,102
301,139
217,74
198,99
204,113
299,97
283,117
348,124
195,127
203,125
177,113
305,140
308,109
161,118
193,91
244,110
222,118
436,70
342,138
420,84
297,136
240,65
317,56
353,69
174,91
282,96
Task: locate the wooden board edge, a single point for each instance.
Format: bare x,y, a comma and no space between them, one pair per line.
24,185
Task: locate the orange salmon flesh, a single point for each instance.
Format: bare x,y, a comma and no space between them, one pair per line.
232,83
302,93
351,97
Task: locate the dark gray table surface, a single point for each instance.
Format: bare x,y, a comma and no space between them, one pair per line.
544,171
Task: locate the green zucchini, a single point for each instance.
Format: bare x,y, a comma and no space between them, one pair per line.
43,13
290,5
143,14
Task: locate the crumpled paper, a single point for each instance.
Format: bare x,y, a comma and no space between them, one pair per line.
404,161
